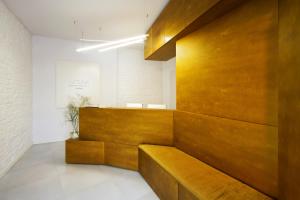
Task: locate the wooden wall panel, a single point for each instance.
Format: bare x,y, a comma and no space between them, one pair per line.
174,17
184,194
120,155
196,8
164,185
158,33
84,152
148,44
228,68
127,126
243,150
179,18
289,99
166,52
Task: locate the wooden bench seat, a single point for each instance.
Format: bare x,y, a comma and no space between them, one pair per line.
174,175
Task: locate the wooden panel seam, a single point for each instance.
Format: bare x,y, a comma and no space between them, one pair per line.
225,118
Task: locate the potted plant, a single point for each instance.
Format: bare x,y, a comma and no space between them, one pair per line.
73,114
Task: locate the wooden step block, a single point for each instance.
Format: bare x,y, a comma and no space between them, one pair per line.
121,155
84,152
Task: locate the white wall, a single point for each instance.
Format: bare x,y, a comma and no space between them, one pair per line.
125,77
15,89
139,81
169,83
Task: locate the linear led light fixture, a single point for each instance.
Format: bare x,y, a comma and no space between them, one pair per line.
122,45
112,43
89,40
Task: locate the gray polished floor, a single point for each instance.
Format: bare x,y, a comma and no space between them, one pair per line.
42,174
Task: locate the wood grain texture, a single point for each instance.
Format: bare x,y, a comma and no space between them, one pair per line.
243,150
164,53
175,17
164,185
199,179
228,68
158,32
120,155
179,18
127,126
148,45
84,152
289,99
184,194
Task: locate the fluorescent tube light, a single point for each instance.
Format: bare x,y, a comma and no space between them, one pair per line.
112,43
122,45
89,40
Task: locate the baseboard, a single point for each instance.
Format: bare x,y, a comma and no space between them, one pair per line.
49,141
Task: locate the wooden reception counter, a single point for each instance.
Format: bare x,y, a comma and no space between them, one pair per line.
144,140
120,131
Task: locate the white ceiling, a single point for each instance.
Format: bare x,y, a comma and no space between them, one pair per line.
117,18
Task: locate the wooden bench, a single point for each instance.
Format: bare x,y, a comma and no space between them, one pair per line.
174,175
211,157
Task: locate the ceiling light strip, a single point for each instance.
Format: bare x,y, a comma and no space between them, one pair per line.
142,37
89,40
139,41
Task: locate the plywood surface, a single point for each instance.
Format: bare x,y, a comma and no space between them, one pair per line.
243,150
199,179
228,68
148,44
120,155
289,99
175,17
163,184
179,18
84,152
127,126
184,194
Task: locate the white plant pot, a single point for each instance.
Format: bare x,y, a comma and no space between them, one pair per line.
74,135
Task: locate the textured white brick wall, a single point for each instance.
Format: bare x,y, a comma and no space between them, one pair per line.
15,89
